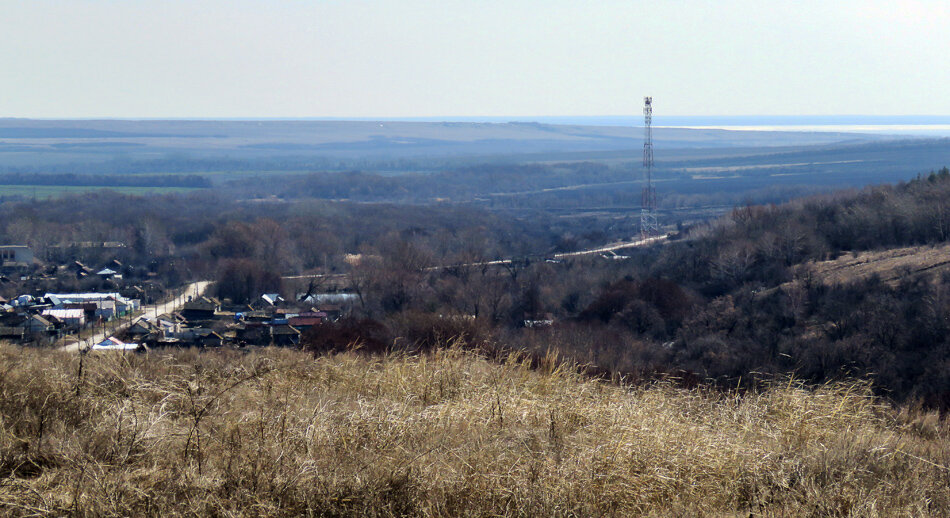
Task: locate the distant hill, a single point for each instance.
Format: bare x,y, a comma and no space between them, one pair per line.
26,141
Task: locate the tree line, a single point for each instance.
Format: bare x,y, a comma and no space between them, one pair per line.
725,300
104,180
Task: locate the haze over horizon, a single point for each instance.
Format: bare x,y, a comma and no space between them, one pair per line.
386,59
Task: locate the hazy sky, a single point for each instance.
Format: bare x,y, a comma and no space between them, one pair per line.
248,58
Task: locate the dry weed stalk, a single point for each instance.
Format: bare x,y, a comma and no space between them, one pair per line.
279,433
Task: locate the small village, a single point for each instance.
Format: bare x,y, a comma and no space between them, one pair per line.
116,319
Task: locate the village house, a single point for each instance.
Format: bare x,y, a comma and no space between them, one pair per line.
252,333
268,300
15,257
106,309
256,316
72,319
114,344
201,309
110,303
285,335
306,320
143,327
80,270
36,325
124,306
108,273
207,338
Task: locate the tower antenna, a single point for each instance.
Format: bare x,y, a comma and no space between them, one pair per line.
648,224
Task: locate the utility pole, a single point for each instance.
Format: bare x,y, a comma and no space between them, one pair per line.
648,224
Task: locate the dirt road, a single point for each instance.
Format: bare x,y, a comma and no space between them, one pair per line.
598,250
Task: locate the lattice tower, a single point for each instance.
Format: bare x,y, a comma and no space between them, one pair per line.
648,223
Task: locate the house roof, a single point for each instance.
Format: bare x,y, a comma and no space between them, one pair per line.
305,321
83,297
173,317
64,313
202,304
113,343
144,322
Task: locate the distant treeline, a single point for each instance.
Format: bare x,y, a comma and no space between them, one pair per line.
462,182
528,186
185,164
101,180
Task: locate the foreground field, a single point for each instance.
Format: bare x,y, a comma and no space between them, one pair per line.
277,432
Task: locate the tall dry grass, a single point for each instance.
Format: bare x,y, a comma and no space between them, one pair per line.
279,433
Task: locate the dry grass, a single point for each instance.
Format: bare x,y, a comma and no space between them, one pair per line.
277,433
890,265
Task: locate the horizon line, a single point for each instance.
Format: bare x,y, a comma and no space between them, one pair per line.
462,118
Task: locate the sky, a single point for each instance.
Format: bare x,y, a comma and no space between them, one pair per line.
414,58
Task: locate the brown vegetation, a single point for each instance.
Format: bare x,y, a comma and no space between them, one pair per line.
281,433
889,265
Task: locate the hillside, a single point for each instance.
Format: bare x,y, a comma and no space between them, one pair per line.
281,433
890,266
78,139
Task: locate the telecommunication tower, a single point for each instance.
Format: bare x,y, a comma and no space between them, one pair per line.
648,224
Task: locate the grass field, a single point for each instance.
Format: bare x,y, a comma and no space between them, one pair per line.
890,265
279,433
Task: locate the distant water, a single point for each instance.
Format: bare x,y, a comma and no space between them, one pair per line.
923,130
908,125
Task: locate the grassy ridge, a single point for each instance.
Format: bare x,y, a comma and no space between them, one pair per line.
279,433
